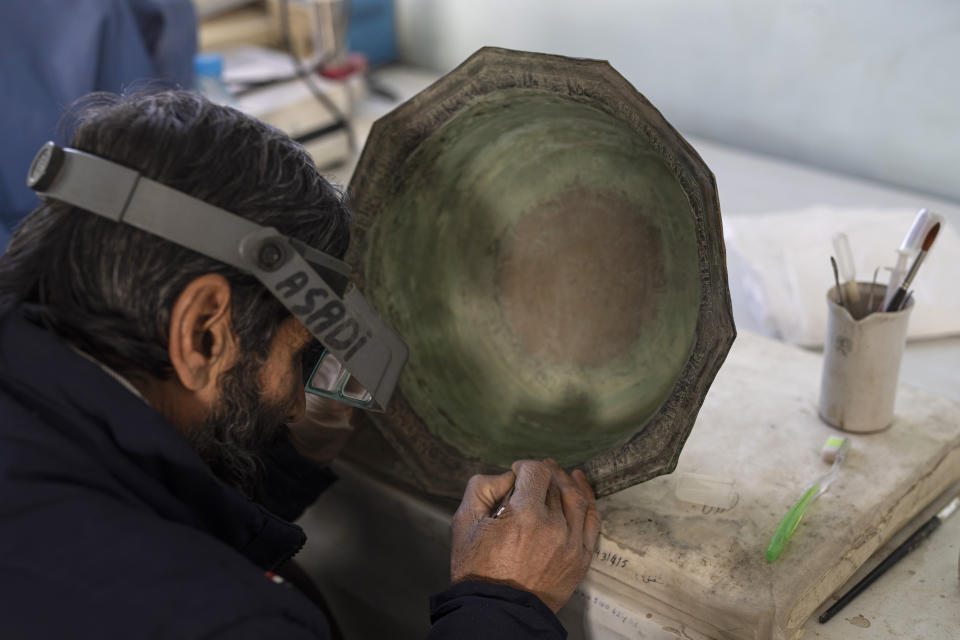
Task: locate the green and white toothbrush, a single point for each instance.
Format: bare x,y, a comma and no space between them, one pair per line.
837,447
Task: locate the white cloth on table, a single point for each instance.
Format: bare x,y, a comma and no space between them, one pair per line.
779,269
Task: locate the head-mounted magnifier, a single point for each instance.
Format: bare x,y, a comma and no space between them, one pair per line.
360,357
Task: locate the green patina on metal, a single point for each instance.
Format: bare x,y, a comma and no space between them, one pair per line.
540,259
551,249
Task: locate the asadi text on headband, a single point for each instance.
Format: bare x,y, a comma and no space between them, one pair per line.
362,356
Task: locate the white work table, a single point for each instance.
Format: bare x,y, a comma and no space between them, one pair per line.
666,568
378,551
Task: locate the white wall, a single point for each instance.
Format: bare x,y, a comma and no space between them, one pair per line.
866,87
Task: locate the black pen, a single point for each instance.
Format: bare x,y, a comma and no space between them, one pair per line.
909,545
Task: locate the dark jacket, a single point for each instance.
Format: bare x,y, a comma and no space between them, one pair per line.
111,526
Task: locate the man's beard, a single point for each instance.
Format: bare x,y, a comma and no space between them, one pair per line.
241,427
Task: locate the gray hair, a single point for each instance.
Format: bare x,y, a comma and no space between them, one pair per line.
109,288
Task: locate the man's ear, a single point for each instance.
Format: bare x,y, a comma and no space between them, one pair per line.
201,337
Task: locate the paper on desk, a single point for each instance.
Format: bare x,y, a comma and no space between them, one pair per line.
779,269
251,64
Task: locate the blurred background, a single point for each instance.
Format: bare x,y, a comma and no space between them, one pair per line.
816,117
852,87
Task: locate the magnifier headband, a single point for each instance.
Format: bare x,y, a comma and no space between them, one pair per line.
309,283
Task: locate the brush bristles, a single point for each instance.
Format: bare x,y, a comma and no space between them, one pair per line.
931,236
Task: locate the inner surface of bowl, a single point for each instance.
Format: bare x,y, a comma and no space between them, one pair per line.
540,259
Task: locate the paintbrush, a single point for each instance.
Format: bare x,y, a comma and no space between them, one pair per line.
909,248
897,302
909,545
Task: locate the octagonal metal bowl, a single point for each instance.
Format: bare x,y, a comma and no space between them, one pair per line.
550,248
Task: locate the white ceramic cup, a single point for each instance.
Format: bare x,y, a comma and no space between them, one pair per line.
861,362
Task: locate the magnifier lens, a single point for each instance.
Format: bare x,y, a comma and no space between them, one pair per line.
327,375
355,391
330,378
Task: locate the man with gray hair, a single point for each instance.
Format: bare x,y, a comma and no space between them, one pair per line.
161,313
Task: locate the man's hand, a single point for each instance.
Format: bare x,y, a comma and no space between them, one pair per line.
323,431
542,542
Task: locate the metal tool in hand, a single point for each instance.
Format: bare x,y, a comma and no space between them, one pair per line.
503,504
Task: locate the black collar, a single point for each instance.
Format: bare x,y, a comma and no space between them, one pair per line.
139,448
